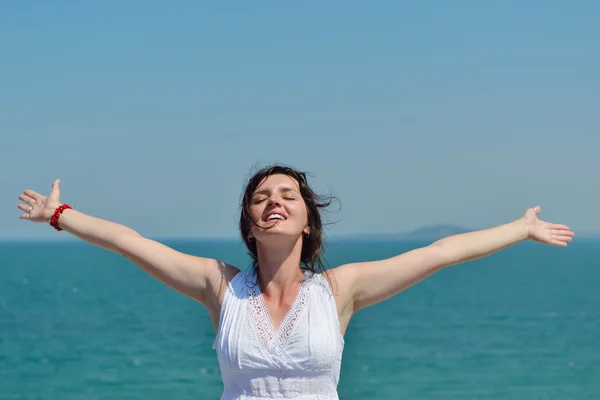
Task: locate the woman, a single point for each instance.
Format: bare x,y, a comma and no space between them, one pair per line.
280,326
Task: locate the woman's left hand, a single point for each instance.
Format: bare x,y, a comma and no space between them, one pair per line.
545,232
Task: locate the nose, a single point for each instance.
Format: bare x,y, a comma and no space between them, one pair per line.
274,200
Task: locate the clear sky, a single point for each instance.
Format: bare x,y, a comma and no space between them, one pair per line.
153,113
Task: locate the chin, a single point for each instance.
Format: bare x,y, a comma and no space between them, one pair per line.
278,233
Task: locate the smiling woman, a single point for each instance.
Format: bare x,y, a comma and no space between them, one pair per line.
290,187
280,325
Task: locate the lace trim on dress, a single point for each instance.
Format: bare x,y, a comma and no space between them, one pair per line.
262,319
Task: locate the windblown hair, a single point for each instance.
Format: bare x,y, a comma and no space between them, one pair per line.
313,245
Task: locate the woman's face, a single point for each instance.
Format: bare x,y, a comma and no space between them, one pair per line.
277,208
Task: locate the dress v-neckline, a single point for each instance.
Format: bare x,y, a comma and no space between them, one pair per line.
268,335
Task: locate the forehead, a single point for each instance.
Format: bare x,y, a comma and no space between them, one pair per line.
275,181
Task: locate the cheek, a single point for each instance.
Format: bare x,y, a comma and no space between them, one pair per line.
255,213
301,214
305,215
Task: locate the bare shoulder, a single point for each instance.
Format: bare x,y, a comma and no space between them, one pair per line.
219,275
339,278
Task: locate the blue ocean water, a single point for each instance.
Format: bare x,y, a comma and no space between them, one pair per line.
78,322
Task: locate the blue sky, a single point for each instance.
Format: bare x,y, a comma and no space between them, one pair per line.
153,113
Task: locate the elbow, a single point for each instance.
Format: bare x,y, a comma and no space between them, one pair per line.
126,242
442,254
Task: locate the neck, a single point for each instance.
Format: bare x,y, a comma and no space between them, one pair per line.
279,266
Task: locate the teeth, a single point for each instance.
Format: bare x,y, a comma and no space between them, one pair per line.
274,216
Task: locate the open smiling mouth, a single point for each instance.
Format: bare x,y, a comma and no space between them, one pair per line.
275,217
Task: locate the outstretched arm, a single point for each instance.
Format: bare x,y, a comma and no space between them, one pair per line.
193,276
372,282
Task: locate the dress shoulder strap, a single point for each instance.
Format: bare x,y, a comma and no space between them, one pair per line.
322,283
236,288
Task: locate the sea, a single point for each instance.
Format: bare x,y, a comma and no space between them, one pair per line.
79,322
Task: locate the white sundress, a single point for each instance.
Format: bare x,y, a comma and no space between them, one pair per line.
299,360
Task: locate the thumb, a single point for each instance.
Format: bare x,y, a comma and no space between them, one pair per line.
55,193
537,209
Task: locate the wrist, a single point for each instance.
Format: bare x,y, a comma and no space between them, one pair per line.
49,211
523,229
54,220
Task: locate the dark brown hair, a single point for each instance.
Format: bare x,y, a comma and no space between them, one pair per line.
313,245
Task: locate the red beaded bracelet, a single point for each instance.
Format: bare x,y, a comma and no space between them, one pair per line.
56,215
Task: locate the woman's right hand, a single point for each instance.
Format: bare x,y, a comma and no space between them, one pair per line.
40,208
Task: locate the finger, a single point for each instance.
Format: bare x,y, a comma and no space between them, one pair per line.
559,226
562,238
33,194
563,233
27,199
25,208
558,243
55,193
24,216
